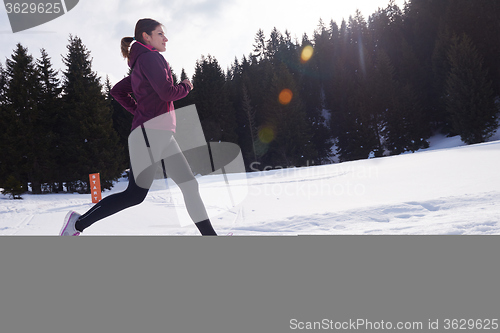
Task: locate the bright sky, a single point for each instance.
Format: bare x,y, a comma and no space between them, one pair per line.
225,29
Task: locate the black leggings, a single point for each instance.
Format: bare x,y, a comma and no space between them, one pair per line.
178,170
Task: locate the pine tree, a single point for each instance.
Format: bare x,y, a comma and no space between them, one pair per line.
273,43
355,119
339,99
287,53
355,139
380,97
50,110
174,76
13,187
285,130
470,98
212,101
386,28
360,42
405,126
183,75
441,69
479,20
243,108
3,85
259,45
255,80
365,118
3,124
188,100
312,79
26,146
249,112
89,142
416,126
422,23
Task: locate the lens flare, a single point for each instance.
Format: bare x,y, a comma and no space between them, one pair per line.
266,134
285,96
307,53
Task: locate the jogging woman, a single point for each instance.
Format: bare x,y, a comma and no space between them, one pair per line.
154,91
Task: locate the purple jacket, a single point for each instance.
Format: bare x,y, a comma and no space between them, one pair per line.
153,87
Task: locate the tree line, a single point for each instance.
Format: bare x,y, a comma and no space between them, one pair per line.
53,132
381,85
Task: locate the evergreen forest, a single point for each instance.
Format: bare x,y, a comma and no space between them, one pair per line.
375,86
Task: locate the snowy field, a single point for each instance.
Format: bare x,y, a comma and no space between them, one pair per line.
448,189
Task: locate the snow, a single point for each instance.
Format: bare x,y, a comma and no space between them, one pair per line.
447,189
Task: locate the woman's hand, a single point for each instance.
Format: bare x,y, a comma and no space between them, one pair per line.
186,81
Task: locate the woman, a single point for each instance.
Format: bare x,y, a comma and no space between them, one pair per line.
152,85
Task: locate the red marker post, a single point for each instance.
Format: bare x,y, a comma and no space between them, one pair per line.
95,187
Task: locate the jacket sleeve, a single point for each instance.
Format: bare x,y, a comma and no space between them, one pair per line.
156,72
122,92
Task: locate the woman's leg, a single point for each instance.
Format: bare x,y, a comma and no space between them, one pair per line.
112,204
178,170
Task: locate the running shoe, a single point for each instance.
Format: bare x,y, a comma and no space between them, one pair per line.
68,228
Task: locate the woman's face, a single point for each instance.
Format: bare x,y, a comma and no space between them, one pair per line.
157,39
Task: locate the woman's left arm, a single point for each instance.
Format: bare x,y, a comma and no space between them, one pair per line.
122,92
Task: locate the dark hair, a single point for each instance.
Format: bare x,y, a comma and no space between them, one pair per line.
143,25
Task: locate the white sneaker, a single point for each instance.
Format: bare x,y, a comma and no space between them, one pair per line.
68,228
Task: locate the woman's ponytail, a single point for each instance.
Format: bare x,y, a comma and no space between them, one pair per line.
125,46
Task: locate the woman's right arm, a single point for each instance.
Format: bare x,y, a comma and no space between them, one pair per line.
122,92
155,70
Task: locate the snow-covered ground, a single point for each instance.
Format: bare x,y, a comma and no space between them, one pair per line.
449,188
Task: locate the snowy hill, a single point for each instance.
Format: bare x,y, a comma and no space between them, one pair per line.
449,188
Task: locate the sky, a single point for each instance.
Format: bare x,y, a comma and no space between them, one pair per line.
224,29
